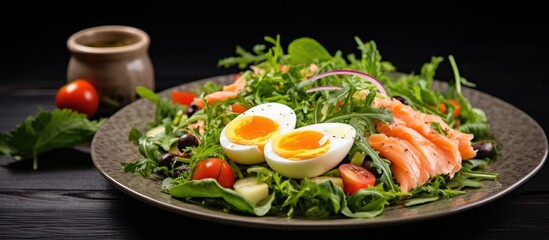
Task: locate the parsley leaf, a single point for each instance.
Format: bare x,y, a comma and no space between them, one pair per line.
47,130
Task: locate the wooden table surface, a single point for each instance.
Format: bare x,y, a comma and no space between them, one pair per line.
67,198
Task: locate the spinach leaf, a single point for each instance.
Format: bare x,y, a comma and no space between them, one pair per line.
307,50
209,188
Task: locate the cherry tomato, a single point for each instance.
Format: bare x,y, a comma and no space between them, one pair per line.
237,108
78,95
355,177
441,107
183,97
215,168
457,107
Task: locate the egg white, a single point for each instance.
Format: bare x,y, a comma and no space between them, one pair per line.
341,137
250,154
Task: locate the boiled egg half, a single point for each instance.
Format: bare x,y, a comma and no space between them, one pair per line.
311,150
244,138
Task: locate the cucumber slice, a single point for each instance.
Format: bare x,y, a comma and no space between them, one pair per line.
251,190
155,131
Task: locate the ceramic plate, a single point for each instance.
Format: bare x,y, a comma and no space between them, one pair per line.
520,140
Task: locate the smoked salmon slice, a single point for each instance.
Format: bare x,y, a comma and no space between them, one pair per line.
416,150
430,152
421,122
406,165
229,91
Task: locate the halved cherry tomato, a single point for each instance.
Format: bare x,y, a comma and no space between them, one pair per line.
355,177
238,108
215,168
183,97
78,95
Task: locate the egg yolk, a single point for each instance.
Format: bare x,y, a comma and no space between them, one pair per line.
300,145
251,130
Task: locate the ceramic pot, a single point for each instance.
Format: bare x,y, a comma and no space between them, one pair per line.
115,60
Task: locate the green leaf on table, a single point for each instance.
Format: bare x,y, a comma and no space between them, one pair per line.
60,128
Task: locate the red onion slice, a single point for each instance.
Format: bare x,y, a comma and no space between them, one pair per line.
327,88
364,76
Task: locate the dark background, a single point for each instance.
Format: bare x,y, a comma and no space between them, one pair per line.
500,47
492,43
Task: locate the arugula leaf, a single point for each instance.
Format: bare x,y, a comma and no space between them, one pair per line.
458,79
135,135
436,126
381,164
305,198
246,58
370,58
144,167
428,70
437,187
369,202
60,128
164,107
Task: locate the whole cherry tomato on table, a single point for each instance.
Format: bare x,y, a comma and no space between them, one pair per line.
79,95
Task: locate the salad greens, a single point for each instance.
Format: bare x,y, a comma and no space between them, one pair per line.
272,75
48,130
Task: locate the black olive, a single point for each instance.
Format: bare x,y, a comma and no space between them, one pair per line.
180,170
368,165
191,110
485,149
167,159
401,99
186,140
